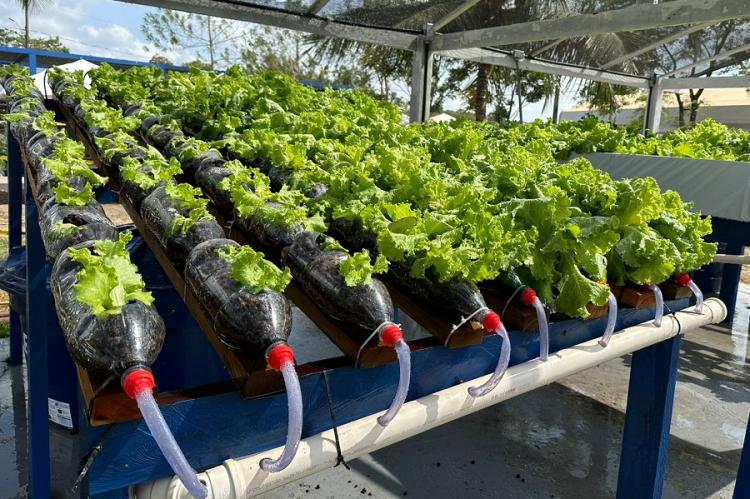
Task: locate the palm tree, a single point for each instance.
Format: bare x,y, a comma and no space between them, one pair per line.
30,6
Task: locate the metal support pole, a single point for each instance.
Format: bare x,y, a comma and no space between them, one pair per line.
37,361
518,56
742,485
654,106
32,63
421,78
15,234
645,439
730,281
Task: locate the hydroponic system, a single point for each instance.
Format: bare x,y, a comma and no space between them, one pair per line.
453,266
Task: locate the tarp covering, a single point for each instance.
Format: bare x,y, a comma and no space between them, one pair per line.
79,65
718,188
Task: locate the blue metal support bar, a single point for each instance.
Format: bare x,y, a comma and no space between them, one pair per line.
730,281
15,236
645,439
742,485
37,361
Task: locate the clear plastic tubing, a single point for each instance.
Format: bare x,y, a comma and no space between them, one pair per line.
611,321
541,318
659,305
404,366
294,428
139,384
698,296
495,325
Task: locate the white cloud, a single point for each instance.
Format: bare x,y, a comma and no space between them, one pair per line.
83,27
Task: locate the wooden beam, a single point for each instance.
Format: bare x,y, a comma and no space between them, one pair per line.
454,14
634,18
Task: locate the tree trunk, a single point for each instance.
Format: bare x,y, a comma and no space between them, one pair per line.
210,44
26,23
680,111
480,93
556,104
694,105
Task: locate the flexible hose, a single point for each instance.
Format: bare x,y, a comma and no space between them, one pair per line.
541,319
611,321
166,442
502,366
294,429
404,365
659,305
698,296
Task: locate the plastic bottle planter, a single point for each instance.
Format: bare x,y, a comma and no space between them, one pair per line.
242,320
159,211
91,224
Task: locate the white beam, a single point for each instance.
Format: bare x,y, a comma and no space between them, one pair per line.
709,60
455,13
496,58
654,45
633,18
706,82
281,19
545,48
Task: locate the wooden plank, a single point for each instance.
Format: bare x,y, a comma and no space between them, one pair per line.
673,291
516,316
437,325
633,296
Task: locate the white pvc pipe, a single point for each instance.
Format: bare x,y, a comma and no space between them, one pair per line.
404,366
294,430
735,259
243,477
659,308
502,366
611,321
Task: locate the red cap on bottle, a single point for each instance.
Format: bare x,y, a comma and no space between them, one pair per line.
683,280
280,355
492,322
528,295
390,335
137,381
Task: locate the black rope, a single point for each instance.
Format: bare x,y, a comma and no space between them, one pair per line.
674,316
513,295
90,458
339,456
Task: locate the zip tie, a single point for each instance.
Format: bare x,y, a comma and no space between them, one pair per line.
339,456
464,320
376,332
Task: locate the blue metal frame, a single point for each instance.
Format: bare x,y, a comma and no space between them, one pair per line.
48,58
737,235
742,485
15,235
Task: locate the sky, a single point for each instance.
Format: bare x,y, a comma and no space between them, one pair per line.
108,28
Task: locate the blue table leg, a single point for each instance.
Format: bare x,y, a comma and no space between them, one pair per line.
15,200
730,281
37,361
645,439
742,485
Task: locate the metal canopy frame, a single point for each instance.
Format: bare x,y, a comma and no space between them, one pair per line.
474,45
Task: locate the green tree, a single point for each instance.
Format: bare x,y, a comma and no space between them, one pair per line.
207,37
30,6
160,59
12,38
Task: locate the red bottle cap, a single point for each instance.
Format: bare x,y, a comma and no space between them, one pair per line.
390,335
280,355
528,295
492,322
683,280
137,381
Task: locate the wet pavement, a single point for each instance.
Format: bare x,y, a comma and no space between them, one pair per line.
559,441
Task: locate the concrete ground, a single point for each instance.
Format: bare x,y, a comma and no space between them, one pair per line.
556,442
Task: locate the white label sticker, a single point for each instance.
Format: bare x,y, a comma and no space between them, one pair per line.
59,413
